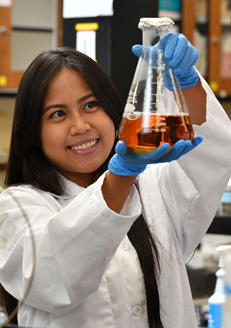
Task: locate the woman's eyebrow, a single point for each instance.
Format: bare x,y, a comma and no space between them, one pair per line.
53,106
85,97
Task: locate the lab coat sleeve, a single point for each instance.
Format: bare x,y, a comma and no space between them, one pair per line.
73,245
193,186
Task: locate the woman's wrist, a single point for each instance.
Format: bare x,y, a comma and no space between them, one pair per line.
115,190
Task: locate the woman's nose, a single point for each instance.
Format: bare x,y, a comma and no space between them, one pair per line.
79,125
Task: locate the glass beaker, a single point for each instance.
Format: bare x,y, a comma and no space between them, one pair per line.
155,111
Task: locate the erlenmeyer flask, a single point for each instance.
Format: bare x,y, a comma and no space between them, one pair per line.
155,111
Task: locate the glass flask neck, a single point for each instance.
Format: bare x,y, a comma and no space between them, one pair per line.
150,36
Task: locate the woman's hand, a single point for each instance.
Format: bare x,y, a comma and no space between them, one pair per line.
179,54
128,163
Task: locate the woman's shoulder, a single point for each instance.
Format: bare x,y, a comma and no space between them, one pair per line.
24,193
20,188
30,199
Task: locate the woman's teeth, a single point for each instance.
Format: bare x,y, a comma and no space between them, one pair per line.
84,146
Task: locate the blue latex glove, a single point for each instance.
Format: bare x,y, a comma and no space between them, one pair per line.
127,163
179,54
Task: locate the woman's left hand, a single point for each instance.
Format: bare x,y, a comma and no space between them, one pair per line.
128,163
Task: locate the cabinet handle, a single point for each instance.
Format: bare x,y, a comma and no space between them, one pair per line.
215,39
4,29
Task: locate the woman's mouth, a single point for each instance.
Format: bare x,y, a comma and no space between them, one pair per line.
84,146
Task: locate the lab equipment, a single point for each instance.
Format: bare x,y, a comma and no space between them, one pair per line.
155,112
217,300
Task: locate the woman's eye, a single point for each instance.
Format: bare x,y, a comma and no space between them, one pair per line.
91,105
59,113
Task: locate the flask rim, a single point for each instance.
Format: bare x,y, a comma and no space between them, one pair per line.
158,23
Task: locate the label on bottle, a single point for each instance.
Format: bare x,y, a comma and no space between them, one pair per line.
227,307
215,317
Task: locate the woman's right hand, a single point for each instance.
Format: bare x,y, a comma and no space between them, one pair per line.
180,55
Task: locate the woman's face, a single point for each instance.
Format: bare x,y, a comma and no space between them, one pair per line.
76,133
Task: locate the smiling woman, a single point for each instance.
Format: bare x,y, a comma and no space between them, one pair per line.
112,230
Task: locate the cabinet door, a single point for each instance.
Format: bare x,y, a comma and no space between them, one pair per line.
27,27
220,47
8,77
209,29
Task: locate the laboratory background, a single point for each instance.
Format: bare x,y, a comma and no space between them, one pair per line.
106,30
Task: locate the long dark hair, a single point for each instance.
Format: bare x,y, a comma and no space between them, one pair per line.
27,161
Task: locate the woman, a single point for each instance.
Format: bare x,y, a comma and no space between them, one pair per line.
110,245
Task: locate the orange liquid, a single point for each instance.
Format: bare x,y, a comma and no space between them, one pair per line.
149,131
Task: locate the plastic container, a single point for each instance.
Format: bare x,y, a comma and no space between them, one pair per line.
217,300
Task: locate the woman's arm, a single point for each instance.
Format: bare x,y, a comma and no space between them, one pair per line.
192,192
195,98
115,190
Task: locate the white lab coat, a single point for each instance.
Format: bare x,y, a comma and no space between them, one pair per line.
87,273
